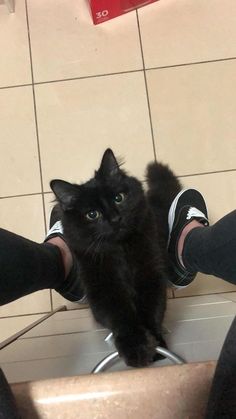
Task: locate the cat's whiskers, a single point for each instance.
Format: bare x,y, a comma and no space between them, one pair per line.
94,246
91,244
98,246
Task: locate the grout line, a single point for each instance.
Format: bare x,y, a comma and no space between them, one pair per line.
89,77
47,192
217,60
24,315
119,72
73,355
64,333
207,173
146,86
16,85
22,195
41,312
35,116
29,43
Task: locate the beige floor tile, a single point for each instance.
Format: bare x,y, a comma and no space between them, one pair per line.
56,346
219,190
15,61
73,314
196,301
19,165
202,351
12,325
175,32
185,313
196,333
51,367
193,113
205,284
79,119
230,296
200,330
23,215
63,36
38,302
42,369
58,326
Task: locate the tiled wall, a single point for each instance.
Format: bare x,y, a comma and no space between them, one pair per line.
162,81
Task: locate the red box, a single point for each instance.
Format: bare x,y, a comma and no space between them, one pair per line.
103,10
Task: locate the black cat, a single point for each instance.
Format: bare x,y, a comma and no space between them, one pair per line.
119,235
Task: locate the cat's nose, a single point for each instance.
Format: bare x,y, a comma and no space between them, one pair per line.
115,220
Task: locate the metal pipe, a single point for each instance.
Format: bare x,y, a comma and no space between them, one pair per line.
111,359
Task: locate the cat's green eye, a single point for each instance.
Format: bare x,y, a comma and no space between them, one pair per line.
119,198
93,215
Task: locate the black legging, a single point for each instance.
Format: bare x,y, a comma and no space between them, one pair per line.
212,250
26,267
222,400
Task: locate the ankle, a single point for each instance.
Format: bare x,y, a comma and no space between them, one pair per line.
189,227
65,253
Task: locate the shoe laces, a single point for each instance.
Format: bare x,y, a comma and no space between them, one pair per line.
194,212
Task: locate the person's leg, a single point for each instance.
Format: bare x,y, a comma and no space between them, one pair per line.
222,400
26,266
212,250
194,246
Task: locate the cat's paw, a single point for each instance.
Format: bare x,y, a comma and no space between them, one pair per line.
137,351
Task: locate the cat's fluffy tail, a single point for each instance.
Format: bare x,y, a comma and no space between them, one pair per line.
163,186
162,180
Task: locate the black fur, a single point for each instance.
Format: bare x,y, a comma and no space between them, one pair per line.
122,253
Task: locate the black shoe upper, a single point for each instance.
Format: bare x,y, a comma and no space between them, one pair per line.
189,205
72,288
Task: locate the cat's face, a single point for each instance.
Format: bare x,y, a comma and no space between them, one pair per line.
104,210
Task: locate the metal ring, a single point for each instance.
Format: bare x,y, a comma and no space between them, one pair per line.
111,359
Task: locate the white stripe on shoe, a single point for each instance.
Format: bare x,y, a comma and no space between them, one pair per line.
171,215
194,212
56,228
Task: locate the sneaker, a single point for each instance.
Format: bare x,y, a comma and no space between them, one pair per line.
188,205
72,288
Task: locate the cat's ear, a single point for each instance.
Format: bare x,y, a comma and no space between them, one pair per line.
65,193
109,165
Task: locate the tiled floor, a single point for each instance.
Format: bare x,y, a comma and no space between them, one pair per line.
71,343
157,82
